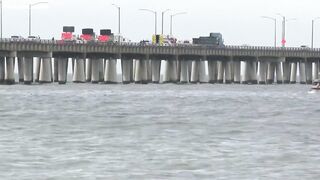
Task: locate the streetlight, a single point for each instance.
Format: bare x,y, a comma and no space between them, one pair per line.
275,28
30,6
284,20
119,18
155,19
1,17
163,20
312,30
171,17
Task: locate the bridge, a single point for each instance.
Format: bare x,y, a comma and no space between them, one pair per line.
97,62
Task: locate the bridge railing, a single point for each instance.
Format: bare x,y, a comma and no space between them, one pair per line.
137,44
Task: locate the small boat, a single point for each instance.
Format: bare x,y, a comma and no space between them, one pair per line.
316,84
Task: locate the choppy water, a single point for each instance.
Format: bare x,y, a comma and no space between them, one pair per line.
159,132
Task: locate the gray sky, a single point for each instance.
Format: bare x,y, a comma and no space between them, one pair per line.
239,21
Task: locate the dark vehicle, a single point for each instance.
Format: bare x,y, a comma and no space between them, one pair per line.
214,39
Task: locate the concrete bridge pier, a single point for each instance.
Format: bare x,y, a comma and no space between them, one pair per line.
286,69
263,66
253,72
20,69
138,68
155,72
194,72
220,74
184,78
101,70
149,71
9,71
237,72
55,70
308,72
88,67
279,74
302,72
202,71
45,75
62,70
95,71
246,72
28,70
228,72
173,64
2,69
144,71
270,73
315,70
126,71
212,71
37,61
166,72
293,73
110,72
79,71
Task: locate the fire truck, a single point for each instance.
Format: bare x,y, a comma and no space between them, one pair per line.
88,35
67,34
105,36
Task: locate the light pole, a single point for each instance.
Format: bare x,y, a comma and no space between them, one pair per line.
284,20
30,6
155,19
119,19
163,19
275,28
312,30
1,17
171,18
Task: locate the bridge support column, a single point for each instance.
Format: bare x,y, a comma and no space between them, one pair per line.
144,71
246,71
166,72
262,72
138,71
220,68
253,72
212,71
174,71
156,65
279,74
20,69
228,72
110,72
79,71
88,68
309,72
95,71
286,67
302,72
9,71
184,72
315,70
45,75
101,70
293,73
2,69
237,72
126,71
62,70
56,70
194,72
202,71
149,71
37,61
270,73
27,70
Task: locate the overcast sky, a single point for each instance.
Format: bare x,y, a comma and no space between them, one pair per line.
239,21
